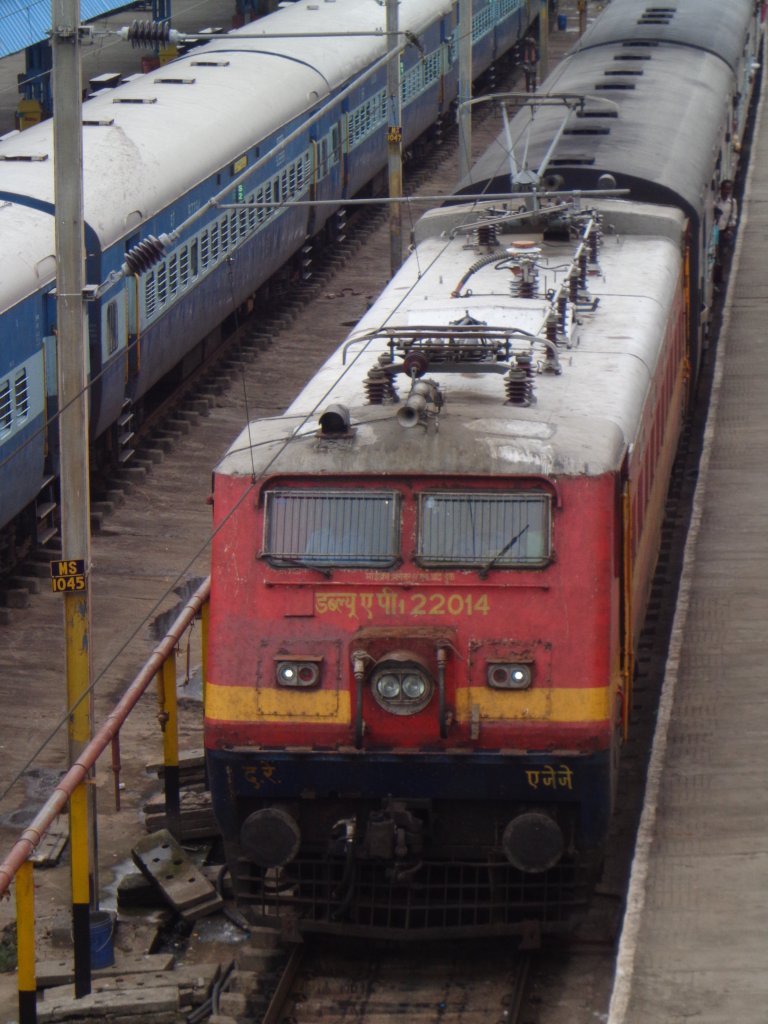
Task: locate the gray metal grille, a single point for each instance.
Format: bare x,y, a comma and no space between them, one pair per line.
472,898
479,529
332,528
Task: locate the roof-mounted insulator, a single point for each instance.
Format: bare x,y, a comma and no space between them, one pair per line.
594,241
551,327
525,278
583,284
551,361
519,381
525,269
573,285
485,236
379,386
578,286
562,314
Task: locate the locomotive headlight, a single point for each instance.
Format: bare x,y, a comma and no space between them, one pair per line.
299,673
414,686
510,675
287,674
388,687
401,689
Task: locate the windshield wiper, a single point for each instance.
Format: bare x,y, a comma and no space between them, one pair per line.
500,554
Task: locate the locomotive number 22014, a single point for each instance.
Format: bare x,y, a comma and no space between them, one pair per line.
450,604
368,605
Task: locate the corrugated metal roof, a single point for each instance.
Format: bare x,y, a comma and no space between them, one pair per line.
24,22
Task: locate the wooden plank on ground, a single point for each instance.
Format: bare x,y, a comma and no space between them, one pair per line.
193,982
196,817
50,848
146,1003
192,759
62,972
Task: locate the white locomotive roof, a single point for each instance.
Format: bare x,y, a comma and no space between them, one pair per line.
155,151
583,419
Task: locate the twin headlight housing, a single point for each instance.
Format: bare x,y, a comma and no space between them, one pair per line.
401,689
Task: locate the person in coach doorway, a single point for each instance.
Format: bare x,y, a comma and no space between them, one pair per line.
726,219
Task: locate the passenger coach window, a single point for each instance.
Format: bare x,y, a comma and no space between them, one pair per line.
21,390
332,528
112,327
503,530
6,414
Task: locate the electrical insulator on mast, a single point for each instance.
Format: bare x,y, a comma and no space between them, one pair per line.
148,34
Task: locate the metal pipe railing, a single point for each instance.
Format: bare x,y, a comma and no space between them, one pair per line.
32,835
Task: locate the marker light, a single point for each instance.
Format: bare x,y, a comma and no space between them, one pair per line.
510,675
299,674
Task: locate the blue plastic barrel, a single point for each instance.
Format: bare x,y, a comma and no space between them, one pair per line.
562,22
102,948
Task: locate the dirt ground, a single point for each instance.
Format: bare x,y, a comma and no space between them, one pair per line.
116,832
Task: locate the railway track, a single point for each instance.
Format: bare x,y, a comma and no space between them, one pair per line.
413,985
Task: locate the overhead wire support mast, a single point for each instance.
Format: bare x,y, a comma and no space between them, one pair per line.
73,453
464,109
394,145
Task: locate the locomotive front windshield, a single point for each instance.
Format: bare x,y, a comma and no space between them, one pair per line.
332,528
484,530
338,528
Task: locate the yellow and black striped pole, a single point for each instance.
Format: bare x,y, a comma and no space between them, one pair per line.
25,944
79,838
169,723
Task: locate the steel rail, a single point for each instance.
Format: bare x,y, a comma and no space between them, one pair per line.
277,1003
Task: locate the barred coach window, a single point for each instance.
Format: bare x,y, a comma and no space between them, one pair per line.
491,530
332,528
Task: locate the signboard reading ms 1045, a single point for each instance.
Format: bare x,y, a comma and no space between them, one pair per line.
68,575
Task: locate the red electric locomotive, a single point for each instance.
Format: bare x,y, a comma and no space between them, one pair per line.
429,573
